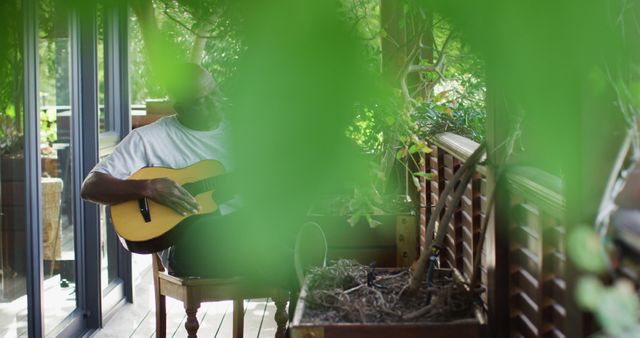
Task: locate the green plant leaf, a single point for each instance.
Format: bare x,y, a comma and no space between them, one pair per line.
416,183
585,249
588,291
426,175
355,218
414,148
424,148
390,120
373,223
618,309
401,153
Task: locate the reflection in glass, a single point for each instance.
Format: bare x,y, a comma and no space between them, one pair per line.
13,299
59,287
108,244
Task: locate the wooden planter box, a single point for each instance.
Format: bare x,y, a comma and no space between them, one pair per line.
463,328
466,328
393,243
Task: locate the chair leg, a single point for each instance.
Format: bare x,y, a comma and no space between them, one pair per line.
238,318
161,303
192,324
281,316
161,316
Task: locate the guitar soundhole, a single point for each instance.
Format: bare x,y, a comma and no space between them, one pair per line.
144,209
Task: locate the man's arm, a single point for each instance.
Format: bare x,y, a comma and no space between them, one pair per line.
106,189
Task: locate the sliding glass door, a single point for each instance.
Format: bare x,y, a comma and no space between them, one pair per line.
63,102
13,226
56,151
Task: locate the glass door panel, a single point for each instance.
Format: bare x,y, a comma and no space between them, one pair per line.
107,139
13,269
58,229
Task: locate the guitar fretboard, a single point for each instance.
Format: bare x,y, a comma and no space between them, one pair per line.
201,186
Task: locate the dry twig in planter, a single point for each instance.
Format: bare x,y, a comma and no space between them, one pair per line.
473,281
329,299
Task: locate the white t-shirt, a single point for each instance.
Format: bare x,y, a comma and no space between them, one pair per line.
167,143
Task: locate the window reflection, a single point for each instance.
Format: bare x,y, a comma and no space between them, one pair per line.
59,287
13,300
108,244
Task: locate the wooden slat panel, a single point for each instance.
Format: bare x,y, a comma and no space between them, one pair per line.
553,312
555,288
553,333
525,259
523,327
526,306
523,281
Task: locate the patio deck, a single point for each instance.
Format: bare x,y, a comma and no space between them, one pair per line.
138,319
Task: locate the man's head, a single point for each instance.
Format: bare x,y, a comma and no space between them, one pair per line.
195,95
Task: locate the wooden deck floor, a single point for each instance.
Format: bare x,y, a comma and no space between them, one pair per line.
138,319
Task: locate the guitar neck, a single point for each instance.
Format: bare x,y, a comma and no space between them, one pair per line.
205,184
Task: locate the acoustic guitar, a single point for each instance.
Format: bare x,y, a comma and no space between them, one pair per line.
145,226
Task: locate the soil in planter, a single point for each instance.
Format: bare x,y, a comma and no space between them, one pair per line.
348,292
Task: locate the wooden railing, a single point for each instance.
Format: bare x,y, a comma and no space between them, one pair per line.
523,257
449,151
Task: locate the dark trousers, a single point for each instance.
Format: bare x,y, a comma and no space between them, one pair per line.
214,246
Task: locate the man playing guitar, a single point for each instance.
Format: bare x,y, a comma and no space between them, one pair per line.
197,132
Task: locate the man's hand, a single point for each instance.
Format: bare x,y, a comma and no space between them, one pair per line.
167,192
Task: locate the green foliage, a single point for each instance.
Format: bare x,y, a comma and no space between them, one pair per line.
48,126
458,101
10,57
585,248
616,307
451,99
178,21
11,140
363,16
452,116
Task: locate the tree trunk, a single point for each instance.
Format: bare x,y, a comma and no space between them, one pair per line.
202,29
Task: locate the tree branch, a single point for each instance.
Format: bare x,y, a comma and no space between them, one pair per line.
437,67
183,25
197,51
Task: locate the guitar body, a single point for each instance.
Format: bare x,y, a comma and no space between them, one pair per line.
162,224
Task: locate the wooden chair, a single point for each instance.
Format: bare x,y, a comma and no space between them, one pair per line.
194,291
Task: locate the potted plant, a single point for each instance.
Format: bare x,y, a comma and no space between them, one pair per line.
368,227
348,299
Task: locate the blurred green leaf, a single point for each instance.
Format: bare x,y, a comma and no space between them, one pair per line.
355,218
585,249
618,308
589,290
426,175
402,153
373,223
414,148
416,183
